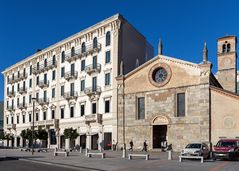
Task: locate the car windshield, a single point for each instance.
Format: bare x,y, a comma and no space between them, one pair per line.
193,146
226,144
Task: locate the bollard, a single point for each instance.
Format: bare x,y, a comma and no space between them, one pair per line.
170,155
86,152
80,149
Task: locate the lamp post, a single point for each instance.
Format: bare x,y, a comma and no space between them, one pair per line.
33,118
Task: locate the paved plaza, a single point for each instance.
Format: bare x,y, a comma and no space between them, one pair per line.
113,161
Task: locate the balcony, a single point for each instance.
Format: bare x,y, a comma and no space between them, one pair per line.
88,49
92,91
22,90
71,75
11,94
22,106
21,76
70,95
43,101
43,67
10,108
43,83
93,68
11,80
93,118
11,126
54,122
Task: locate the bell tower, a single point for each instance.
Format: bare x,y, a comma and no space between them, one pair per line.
227,62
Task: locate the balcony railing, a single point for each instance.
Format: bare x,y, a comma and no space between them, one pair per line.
88,49
43,101
54,122
22,106
70,95
11,94
92,91
71,75
10,108
22,90
93,68
10,80
22,76
93,118
41,68
11,126
43,83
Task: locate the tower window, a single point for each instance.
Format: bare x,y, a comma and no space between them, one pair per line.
226,47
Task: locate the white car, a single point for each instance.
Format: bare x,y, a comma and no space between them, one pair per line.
196,149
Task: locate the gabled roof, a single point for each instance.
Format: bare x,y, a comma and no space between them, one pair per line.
224,92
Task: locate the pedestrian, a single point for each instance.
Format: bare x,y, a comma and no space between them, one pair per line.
131,145
114,145
145,146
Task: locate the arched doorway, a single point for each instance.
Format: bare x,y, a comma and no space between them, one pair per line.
159,131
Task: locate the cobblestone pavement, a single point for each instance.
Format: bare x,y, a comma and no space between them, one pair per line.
115,162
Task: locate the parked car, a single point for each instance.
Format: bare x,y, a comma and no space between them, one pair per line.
226,149
196,149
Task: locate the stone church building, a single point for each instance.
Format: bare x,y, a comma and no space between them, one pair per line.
167,99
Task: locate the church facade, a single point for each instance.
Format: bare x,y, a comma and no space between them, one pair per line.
167,99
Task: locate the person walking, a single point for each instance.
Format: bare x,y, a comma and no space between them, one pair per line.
145,146
131,145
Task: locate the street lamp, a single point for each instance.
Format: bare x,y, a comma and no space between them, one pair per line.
33,114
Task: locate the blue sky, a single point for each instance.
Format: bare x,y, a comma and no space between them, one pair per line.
183,25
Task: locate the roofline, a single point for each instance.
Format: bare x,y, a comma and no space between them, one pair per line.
225,92
228,36
162,57
51,47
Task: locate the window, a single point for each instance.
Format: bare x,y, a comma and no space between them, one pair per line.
62,90
62,72
141,108
94,83
12,103
53,92
8,79
17,119
107,39
107,79
8,90
54,60
18,74
228,47
7,120
45,63
181,104
12,120
44,115
30,83
107,106
30,70
24,72
18,101
45,95
82,65
72,112
37,81
72,89
23,119
82,109
53,114
37,116
72,51
83,49
95,42
107,57
24,85
7,104
30,117
13,76
62,56
53,75
45,78
82,85
37,96
30,99
13,89
93,108
38,65
24,100
72,69
18,87
94,62
62,113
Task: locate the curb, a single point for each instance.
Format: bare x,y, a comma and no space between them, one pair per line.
82,168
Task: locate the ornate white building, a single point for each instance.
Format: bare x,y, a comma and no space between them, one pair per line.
74,84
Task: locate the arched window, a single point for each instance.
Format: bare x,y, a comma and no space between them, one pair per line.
54,60
45,63
228,47
72,51
223,48
95,42
62,56
83,47
107,39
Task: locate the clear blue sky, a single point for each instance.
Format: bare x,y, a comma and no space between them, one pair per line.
184,25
